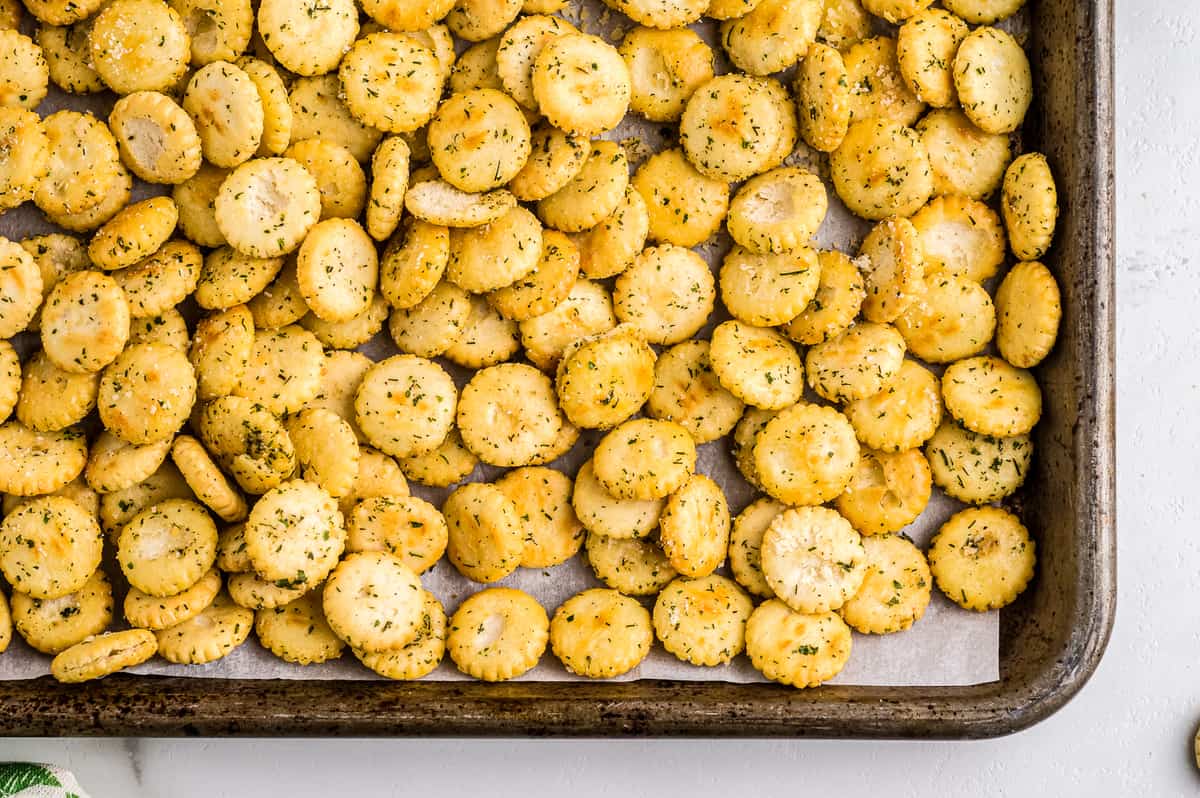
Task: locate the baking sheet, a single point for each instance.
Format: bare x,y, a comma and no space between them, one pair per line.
948,647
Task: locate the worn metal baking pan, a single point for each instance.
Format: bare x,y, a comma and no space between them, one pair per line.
1051,640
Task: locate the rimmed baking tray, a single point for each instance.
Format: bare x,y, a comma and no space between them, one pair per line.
1050,642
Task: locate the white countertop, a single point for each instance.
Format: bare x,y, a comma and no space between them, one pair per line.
1128,733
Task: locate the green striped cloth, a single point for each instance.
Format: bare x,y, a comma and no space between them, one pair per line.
25,780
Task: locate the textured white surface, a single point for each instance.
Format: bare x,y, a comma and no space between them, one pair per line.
1128,733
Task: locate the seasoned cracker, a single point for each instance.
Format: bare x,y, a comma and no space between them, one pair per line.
988,396
448,464
546,286
54,625
284,370
219,29
605,379
168,547
634,567
83,165
295,534
228,111
878,89
982,558
340,178
794,648
993,79
486,543
497,634
250,441
756,364
508,414
893,266
390,166
139,45
374,602
610,247
488,339
666,67
21,290
440,203
49,398
168,327
806,454
668,293
1029,311
974,468
964,160
732,125
297,632
409,528
116,465
280,303
685,207
195,198
586,311
778,211
960,237
703,621
159,612
644,459
555,159
476,20
840,294
1029,202
823,95
391,82
604,514
249,590
405,405
320,112
207,637
146,394
326,450
552,532
220,350
119,507
497,254
903,415
881,169
600,634
694,527
159,282
925,48
434,324
421,655
479,139
856,364
266,206
888,492
413,262
337,269
896,591
26,157
745,545
39,462
99,656
49,547
308,39
687,392
581,84
773,36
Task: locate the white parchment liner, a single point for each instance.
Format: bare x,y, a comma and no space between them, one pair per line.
948,647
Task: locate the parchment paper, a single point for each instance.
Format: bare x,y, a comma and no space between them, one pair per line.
947,647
